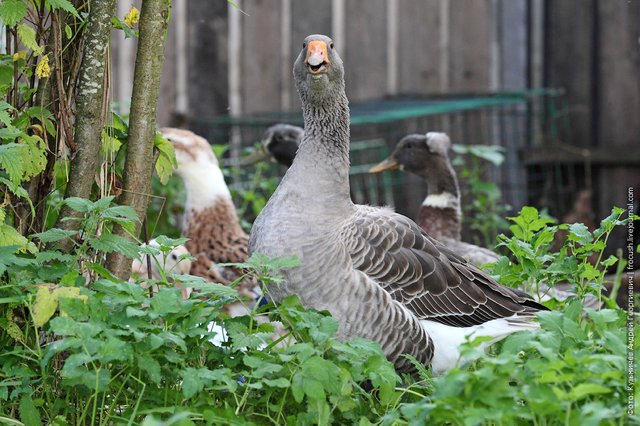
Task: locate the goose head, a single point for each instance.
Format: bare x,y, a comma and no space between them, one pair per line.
279,142
425,156
198,167
318,71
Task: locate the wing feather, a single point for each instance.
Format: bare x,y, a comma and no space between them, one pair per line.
429,279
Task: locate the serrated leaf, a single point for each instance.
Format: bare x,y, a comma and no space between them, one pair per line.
54,234
12,12
29,414
191,382
109,243
10,237
64,5
28,37
151,367
22,160
5,118
44,307
78,204
166,160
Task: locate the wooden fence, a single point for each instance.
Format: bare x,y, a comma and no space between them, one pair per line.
222,61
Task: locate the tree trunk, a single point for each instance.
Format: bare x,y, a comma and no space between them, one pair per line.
154,19
89,102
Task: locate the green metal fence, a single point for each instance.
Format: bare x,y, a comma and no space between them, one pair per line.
521,122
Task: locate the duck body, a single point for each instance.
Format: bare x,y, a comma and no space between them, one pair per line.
375,271
210,222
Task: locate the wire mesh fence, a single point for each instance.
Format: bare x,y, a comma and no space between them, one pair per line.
522,123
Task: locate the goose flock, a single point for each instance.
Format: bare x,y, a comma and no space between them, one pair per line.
413,287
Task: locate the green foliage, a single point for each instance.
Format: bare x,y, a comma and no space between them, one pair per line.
534,263
483,210
570,372
79,346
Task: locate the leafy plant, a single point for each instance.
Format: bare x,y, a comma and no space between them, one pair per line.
483,211
535,264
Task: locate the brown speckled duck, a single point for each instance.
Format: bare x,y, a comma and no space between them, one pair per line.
379,274
211,222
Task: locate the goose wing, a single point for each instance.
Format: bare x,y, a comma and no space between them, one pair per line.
429,279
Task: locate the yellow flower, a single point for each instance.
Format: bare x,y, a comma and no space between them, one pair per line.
43,70
132,17
19,55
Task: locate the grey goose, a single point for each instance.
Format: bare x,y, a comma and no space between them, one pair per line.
380,275
279,142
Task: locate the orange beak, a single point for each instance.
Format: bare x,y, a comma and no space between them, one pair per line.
317,57
388,164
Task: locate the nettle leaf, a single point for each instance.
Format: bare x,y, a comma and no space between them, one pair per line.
151,367
109,243
28,37
23,160
191,382
10,237
167,160
54,234
12,12
28,412
78,204
45,306
64,5
5,118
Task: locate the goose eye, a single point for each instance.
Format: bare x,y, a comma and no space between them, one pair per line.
304,45
331,45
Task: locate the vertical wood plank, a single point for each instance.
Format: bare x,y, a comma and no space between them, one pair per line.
166,111
470,45
619,96
208,58
569,49
307,18
365,50
418,46
513,44
260,75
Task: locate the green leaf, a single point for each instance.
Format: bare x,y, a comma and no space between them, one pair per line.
109,243
151,367
23,160
580,233
28,37
12,12
191,382
28,412
585,389
68,32
9,236
64,5
54,234
167,160
44,307
78,204
166,301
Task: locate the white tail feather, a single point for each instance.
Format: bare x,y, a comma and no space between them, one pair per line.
447,339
